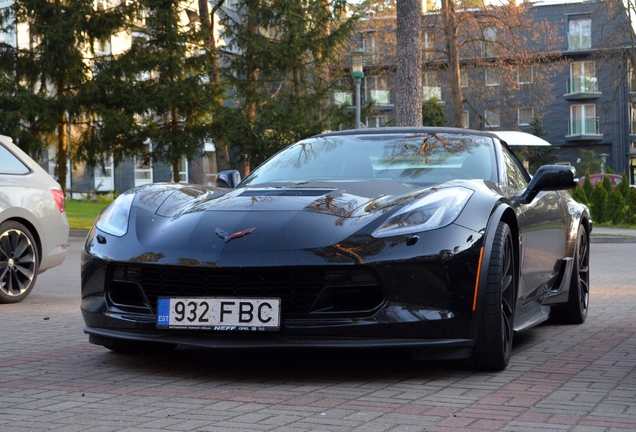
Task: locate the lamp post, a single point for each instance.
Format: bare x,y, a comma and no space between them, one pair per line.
603,160
357,74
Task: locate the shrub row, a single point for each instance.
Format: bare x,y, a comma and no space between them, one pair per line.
608,205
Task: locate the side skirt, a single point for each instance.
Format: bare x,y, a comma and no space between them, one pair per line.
531,315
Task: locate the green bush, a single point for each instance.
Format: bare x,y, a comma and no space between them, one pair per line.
630,217
607,184
588,186
578,193
624,186
598,201
615,208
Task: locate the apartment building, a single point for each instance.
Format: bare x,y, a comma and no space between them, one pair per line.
587,101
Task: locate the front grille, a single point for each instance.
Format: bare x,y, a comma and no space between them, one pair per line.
302,290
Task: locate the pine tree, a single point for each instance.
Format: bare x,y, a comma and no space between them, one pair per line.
159,92
433,113
41,76
278,74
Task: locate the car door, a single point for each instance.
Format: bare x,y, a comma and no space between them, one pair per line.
543,232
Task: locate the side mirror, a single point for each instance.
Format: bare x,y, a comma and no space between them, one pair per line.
228,179
549,178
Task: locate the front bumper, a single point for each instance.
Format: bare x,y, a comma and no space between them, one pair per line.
420,299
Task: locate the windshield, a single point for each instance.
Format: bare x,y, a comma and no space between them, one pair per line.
420,159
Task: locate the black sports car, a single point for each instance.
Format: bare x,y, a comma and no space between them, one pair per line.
435,239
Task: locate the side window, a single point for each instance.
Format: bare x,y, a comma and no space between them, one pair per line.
10,164
516,174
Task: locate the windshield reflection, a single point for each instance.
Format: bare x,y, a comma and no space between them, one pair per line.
418,158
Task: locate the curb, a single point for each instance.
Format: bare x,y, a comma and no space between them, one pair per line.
77,233
612,239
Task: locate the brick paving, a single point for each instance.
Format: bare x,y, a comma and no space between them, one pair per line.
561,378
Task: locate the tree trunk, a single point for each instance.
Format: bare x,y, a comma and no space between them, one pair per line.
62,152
408,105
62,137
175,162
451,34
207,24
175,171
252,80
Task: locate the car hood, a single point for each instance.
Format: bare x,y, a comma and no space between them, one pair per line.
265,218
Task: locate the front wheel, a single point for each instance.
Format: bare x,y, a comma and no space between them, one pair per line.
494,332
19,262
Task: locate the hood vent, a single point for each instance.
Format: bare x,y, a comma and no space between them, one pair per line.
306,192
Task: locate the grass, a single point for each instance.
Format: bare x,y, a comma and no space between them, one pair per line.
82,214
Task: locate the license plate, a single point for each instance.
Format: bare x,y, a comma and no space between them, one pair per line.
214,313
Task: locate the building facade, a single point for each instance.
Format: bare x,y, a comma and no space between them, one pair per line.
587,101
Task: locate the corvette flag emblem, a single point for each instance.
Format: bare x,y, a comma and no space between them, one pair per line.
229,237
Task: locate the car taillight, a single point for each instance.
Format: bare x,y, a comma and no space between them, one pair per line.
58,196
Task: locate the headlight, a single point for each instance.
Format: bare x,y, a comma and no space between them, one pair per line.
434,210
114,220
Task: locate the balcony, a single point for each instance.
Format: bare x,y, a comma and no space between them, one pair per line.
342,98
381,97
583,129
581,87
579,41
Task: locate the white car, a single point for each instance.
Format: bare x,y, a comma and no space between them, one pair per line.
33,225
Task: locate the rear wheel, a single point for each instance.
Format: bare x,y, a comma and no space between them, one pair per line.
19,262
575,310
494,332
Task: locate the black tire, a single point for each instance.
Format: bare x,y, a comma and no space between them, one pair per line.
136,347
494,332
19,262
575,310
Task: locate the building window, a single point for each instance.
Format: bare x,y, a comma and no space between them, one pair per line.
103,47
632,119
492,118
342,95
493,77
583,120
427,46
631,78
103,176
463,78
377,121
377,89
183,170
368,41
488,42
465,119
525,116
582,78
430,87
143,166
525,74
580,34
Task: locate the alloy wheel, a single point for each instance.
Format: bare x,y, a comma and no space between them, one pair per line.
18,261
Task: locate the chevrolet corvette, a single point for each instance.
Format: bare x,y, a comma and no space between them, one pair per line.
432,239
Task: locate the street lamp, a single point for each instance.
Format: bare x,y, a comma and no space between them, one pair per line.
603,160
357,57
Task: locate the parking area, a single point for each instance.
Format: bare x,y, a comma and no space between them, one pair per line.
561,378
